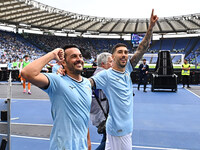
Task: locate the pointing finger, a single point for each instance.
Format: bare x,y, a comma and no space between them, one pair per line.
152,12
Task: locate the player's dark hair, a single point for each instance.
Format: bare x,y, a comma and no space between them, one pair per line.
118,45
26,56
69,46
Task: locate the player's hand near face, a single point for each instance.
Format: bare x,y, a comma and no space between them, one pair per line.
58,54
32,71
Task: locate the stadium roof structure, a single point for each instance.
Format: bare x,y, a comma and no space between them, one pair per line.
32,14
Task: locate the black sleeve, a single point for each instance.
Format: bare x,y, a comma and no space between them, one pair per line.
140,67
147,68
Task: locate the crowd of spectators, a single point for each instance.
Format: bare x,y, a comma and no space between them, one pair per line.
93,46
13,46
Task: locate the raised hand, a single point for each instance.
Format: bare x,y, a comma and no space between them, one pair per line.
153,19
58,54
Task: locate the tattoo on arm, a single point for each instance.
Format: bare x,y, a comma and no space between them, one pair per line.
142,48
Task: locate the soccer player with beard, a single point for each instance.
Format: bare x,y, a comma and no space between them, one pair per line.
117,86
70,97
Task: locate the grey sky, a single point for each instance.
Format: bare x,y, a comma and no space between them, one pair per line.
127,8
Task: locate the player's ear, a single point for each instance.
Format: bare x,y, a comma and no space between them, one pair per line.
113,57
63,63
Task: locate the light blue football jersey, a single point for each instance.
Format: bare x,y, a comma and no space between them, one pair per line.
118,89
70,108
55,68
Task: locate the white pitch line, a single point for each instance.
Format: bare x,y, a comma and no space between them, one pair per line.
27,99
50,125
28,124
26,137
94,143
147,147
193,93
30,99
156,148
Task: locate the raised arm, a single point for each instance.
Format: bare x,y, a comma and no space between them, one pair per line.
32,71
143,46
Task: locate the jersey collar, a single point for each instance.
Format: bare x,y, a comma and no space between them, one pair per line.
75,79
118,71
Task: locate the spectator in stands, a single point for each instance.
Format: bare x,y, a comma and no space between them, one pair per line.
118,88
104,61
24,64
144,69
185,73
9,64
70,97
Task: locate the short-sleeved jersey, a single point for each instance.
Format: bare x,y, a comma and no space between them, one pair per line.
70,108
25,63
19,64
118,88
55,68
15,65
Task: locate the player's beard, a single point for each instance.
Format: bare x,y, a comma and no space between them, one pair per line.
120,64
72,67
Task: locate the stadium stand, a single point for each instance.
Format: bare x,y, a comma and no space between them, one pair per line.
13,46
184,45
167,44
95,45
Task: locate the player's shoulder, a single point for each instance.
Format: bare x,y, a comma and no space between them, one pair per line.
103,72
86,80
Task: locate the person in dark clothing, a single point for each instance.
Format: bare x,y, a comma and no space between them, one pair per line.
94,64
144,69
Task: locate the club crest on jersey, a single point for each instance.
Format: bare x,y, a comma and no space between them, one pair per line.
72,87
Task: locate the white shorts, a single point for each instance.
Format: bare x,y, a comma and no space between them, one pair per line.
119,142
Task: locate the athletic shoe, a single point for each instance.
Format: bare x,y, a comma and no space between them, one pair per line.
29,93
24,91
